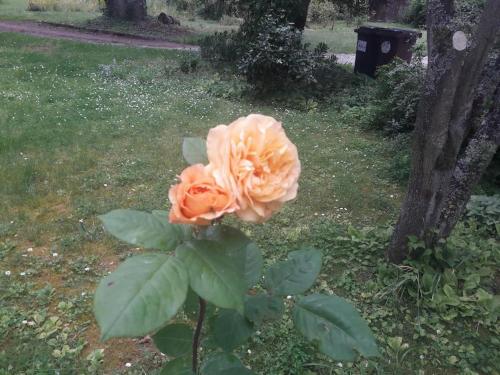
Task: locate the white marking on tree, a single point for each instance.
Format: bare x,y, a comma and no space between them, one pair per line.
459,40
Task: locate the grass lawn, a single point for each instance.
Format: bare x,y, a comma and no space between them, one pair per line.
17,10
85,129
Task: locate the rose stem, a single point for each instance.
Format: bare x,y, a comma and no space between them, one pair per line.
197,333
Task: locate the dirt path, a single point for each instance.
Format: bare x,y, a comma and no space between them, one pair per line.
74,33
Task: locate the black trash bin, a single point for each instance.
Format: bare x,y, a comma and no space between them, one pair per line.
378,46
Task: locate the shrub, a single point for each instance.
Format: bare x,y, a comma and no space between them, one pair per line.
221,47
454,280
398,91
273,58
416,13
189,64
211,9
276,56
277,60
321,13
486,211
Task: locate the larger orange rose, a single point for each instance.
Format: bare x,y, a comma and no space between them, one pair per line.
254,159
197,199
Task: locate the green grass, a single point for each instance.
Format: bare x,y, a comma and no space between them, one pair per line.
17,10
85,129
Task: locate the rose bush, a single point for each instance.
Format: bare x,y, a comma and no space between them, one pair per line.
250,168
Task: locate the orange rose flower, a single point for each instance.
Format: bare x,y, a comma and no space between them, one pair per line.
253,158
197,199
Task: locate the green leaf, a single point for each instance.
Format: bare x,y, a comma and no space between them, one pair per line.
472,281
231,329
143,229
336,326
184,231
178,366
261,308
295,275
140,296
253,265
174,340
224,364
194,151
235,240
192,306
214,274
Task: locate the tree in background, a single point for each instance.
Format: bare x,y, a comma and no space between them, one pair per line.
457,131
295,11
130,10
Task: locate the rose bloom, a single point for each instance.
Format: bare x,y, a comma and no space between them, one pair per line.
197,199
254,159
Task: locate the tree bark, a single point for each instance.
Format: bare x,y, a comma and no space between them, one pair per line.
299,16
130,10
444,125
470,167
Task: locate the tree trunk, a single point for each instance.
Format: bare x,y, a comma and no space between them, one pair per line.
299,16
130,10
444,138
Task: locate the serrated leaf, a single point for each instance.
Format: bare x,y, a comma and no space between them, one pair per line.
140,296
194,151
214,274
295,275
236,241
336,326
224,364
178,366
230,329
174,340
144,229
261,308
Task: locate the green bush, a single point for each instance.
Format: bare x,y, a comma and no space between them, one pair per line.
416,13
208,9
454,280
275,59
321,13
221,47
486,211
189,64
398,91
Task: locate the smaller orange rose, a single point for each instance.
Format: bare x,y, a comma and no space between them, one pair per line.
197,199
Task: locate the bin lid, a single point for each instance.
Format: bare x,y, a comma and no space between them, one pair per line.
386,31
